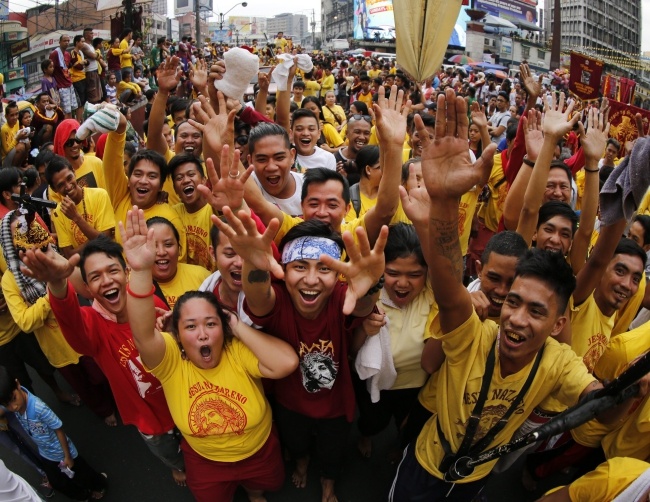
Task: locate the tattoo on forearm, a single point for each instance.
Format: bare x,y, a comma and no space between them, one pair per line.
258,276
445,242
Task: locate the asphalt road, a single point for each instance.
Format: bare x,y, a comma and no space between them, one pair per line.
135,475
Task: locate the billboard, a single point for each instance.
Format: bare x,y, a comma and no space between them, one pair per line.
183,7
374,20
512,10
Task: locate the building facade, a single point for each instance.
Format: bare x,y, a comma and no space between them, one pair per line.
296,25
600,25
337,19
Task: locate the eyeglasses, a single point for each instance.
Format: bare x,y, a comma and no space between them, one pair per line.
71,142
241,140
358,116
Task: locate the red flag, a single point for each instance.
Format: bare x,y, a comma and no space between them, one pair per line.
584,78
622,122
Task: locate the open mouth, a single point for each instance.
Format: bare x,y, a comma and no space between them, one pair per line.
273,180
514,338
112,295
206,352
189,190
360,144
309,296
189,150
620,295
162,264
402,294
142,191
496,302
305,141
236,278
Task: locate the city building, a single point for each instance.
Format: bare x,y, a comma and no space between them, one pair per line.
597,26
14,41
294,25
337,19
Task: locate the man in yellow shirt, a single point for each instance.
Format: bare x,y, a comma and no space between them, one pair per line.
14,146
126,43
280,43
127,91
82,214
530,364
312,88
327,82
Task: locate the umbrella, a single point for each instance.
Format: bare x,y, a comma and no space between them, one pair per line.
501,75
461,59
423,28
498,22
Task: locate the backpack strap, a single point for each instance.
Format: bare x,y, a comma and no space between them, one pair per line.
355,198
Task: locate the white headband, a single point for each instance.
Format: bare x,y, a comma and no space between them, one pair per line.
310,248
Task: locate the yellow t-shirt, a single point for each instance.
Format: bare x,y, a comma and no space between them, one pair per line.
331,115
625,315
367,203
126,59
312,88
197,226
221,412
118,190
97,211
39,319
365,98
608,480
128,86
560,374
8,328
327,84
90,174
580,183
332,136
288,222
187,278
466,210
644,207
492,210
590,331
407,333
77,75
8,138
620,352
374,73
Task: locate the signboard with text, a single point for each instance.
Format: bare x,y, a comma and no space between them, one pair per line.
19,47
512,10
584,77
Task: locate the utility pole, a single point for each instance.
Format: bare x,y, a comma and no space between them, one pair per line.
557,37
56,15
197,20
313,29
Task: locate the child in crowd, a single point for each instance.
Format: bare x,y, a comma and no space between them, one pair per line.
111,89
67,471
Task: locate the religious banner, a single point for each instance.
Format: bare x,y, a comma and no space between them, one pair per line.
584,78
622,123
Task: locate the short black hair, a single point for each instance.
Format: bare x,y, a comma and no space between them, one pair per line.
313,99
644,221
614,142
179,104
43,158
427,119
125,33
56,165
178,160
406,168
403,242
366,156
264,129
551,268
77,38
505,243
208,296
97,41
11,104
364,78
301,113
298,83
101,244
153,157
45,64
511,131
312,228
320,175
361,107
629,247
554,208
8,385
160,220
9,177
558,164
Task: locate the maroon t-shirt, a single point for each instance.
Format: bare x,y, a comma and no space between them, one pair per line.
321,386
61,73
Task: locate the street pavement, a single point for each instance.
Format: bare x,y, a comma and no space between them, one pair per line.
134,475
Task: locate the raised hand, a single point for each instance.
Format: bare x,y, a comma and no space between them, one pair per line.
594,141
47,267
390,116
416,202
477,114
533,87
533,134
364,268
169,74
138,241
447,169
264,79
228,187
247,242
68,208
556,121
199,75
218,128
217,69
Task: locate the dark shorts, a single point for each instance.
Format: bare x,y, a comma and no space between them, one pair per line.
93,87
80,88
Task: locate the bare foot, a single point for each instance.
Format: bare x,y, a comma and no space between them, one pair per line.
111,420
528,481
72,399
328,490
299,476
179,477
255,495
365,446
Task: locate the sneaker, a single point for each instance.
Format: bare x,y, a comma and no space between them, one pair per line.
46,487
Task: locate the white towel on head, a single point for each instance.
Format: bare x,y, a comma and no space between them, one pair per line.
281,71
374,363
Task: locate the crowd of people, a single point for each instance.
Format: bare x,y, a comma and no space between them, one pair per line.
240,280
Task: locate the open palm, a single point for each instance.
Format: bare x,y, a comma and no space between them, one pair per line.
138,241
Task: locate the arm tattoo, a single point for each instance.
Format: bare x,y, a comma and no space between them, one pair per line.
258,276
445,242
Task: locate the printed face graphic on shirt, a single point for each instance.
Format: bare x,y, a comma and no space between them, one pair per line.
217,411
318,371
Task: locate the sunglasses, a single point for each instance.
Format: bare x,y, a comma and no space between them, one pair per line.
71,142
241,140
358,116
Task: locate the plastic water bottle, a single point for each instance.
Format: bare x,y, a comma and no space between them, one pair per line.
66,470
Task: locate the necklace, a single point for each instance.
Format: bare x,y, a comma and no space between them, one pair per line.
83,203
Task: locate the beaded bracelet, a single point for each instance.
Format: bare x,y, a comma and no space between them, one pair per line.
376,287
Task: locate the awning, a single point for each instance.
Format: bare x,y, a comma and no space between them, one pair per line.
498,22
525,25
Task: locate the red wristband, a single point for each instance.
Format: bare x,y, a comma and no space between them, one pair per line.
135,295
